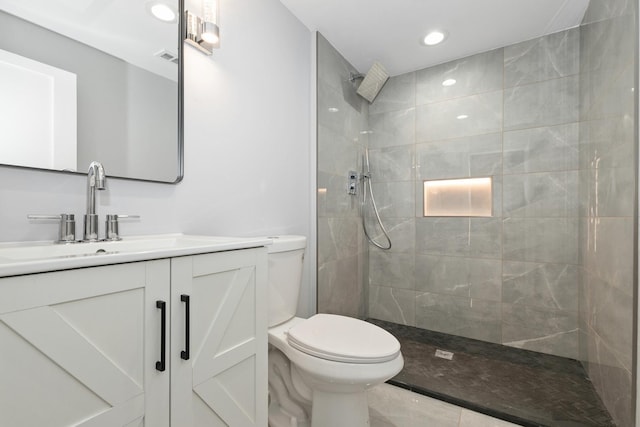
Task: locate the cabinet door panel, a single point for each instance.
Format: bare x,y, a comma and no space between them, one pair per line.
55,337
73,353
224,382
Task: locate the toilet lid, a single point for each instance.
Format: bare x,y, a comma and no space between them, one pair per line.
343,339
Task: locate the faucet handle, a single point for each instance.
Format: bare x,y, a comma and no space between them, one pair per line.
111,225
67,225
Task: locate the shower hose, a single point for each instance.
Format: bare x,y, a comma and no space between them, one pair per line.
366,183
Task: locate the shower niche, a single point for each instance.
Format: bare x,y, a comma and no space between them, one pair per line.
458,197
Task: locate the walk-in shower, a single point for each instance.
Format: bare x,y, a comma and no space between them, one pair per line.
551,270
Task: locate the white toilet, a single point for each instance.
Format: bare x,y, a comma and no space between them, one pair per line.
321,367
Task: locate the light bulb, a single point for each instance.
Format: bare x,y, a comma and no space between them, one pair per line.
163,12
210,38
434,38
210,33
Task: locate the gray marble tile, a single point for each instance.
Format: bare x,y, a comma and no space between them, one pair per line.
606,45
542,149
611,318
607,143
612,382
610,192
467,317
472,156
549,194
614,100
333,69
392,163
541,240
473,74
391,269
609,252
392,305
336,154
547,331
551,286
607,9
471,237
552,56
333,199
393,199
550,102
467,277
337,238
338,115
402,232
339,291
606,64
392,128
399,93
440,120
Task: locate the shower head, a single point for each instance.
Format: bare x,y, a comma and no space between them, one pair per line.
373,82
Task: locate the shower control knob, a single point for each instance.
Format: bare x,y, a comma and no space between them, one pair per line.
352,183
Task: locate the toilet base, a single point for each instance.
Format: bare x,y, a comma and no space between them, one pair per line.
339,409
278,417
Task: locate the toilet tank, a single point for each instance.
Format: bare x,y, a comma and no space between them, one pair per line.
285,276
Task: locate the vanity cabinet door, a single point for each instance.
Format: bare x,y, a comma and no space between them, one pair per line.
224,380
72,347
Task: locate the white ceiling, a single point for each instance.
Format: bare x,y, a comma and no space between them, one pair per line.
390,31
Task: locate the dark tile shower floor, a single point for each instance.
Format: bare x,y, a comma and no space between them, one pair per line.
520,386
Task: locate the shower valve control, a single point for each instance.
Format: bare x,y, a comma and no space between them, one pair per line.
352,183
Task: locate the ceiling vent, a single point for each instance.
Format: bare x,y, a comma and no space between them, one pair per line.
167,56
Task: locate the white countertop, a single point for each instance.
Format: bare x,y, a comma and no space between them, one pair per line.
37,257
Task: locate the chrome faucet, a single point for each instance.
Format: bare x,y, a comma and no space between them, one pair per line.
96,179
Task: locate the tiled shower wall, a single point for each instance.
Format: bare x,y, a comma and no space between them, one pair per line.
511,278
607,184
342,252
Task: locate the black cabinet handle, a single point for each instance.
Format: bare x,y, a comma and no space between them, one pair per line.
185,353
160,365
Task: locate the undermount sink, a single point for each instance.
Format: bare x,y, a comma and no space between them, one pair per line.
36,257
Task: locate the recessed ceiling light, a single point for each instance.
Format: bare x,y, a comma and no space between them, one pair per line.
333,109
434,38
162,11
462,117
449,82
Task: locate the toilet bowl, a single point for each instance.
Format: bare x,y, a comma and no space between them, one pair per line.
321,367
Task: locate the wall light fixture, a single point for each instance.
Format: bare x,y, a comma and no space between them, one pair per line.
203,32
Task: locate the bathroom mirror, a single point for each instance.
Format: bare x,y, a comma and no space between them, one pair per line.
85,80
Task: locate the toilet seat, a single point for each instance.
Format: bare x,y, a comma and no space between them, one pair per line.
343,339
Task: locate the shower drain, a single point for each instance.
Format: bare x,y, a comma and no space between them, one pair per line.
442,354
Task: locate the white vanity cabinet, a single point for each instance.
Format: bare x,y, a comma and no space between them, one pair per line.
82,347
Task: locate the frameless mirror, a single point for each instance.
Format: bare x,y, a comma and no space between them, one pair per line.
85,80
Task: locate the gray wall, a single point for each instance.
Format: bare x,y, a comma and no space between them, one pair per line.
119,105
511,278
607,182
342,252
